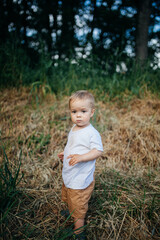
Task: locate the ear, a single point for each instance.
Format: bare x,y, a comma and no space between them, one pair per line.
92,112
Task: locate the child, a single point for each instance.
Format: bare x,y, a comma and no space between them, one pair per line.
83,147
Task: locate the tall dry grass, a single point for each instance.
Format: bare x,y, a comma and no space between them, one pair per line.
125,203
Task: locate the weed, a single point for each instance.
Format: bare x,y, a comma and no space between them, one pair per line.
38,91
66,77
9,194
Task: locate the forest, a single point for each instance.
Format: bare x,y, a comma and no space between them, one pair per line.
48,50
54,42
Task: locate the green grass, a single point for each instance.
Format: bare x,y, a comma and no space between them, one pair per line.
9,194
38,142
63,77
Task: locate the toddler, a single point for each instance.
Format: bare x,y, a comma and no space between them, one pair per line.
84,145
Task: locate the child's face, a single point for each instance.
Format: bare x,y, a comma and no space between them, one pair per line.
81,112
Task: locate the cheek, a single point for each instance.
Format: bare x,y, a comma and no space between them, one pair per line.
87,117
73,117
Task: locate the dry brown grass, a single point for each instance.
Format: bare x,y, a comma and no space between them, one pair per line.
131,137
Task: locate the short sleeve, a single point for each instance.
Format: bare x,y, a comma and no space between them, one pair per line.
96,142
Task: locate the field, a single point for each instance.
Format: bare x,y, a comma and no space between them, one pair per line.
126,201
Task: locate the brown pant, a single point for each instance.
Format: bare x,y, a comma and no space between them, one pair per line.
77,200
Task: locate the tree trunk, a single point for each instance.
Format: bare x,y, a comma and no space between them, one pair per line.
24,22
143,17
93,12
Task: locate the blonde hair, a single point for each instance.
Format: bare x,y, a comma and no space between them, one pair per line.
82,94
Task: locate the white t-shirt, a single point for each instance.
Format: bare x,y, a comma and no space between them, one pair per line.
81,141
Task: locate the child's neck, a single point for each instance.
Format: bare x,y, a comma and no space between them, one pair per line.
76,128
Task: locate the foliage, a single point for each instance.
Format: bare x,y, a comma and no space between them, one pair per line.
15,66
64,25
103,77
9,194
68,75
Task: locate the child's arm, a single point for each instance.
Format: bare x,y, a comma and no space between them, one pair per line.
61,155
91,155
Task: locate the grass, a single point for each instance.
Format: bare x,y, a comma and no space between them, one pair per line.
61,77
9,194
123,208
126,200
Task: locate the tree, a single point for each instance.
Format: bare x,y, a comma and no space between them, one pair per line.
143,19
113,28
110,27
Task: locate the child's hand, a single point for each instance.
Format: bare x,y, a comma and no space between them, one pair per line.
61,156
74,159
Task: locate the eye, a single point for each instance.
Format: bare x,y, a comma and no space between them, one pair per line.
84,111
73,111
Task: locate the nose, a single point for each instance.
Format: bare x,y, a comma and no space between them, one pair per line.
78,114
